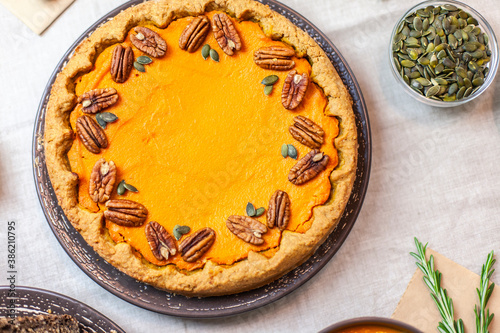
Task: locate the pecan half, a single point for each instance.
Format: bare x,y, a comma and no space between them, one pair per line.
278,58
278,213
92,135
95,100
121,63
294,89
308,167
124,212
307,132
149,42
225,33
194,34
102,180
246,228
195,245
161,243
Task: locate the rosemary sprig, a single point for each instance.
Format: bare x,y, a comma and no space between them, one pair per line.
483,317
432,279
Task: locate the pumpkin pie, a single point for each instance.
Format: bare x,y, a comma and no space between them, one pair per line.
204,147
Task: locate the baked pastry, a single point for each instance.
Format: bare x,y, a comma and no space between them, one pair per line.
168,121
44,323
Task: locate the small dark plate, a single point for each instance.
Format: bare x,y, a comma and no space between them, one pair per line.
32,301
160,301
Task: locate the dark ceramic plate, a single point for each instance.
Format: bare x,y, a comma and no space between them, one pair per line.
31,301
160,301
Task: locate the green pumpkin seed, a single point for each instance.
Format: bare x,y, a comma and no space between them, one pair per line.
268,90
416,84
453,89
407,63
284,150
424,61
415,34
440,81
260,211
477,82
292,152
120,189
250,209
108,117
477,54
432,91
131,188
468,92
461,72
100,121
417,23
205,51
460,93
449,98
413,54
270,80
139,67
472,21
439,69
180,230
467,83
424,82
448,63
144,60
414,75
448,7
473,66
214,55
434,60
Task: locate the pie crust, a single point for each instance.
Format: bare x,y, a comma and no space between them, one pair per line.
212,279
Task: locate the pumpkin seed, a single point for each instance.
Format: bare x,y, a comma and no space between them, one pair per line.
284,150
205,51
424,82
453,89
260,211
292,152
139,67
468,92
460,93
250,209
448,7
268,89
131,188
270,80
417,23
214,55
108,117
432,91
100,121
144,60
180,230
407,63
477,82
120,189
439,69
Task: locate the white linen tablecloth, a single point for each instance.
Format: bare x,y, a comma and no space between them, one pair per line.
435,175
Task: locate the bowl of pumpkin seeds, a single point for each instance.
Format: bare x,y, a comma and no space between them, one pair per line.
444,53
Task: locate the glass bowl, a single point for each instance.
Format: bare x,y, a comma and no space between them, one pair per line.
390,325
492,44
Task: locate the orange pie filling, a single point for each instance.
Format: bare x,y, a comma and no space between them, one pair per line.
199,139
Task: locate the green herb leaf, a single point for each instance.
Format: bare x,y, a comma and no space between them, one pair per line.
432,278
250,209
483,317
144,60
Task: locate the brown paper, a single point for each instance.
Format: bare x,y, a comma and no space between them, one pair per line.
37,14
417,308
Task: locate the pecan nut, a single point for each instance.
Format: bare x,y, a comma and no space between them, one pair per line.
126,213
294,89
102,180
307,132
308,167
121,63
194,246
161,243
149,42
92,135
278,213
95,100
225,33
246,228
278,58
194,34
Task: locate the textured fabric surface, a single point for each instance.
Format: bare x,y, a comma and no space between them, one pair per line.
435,175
